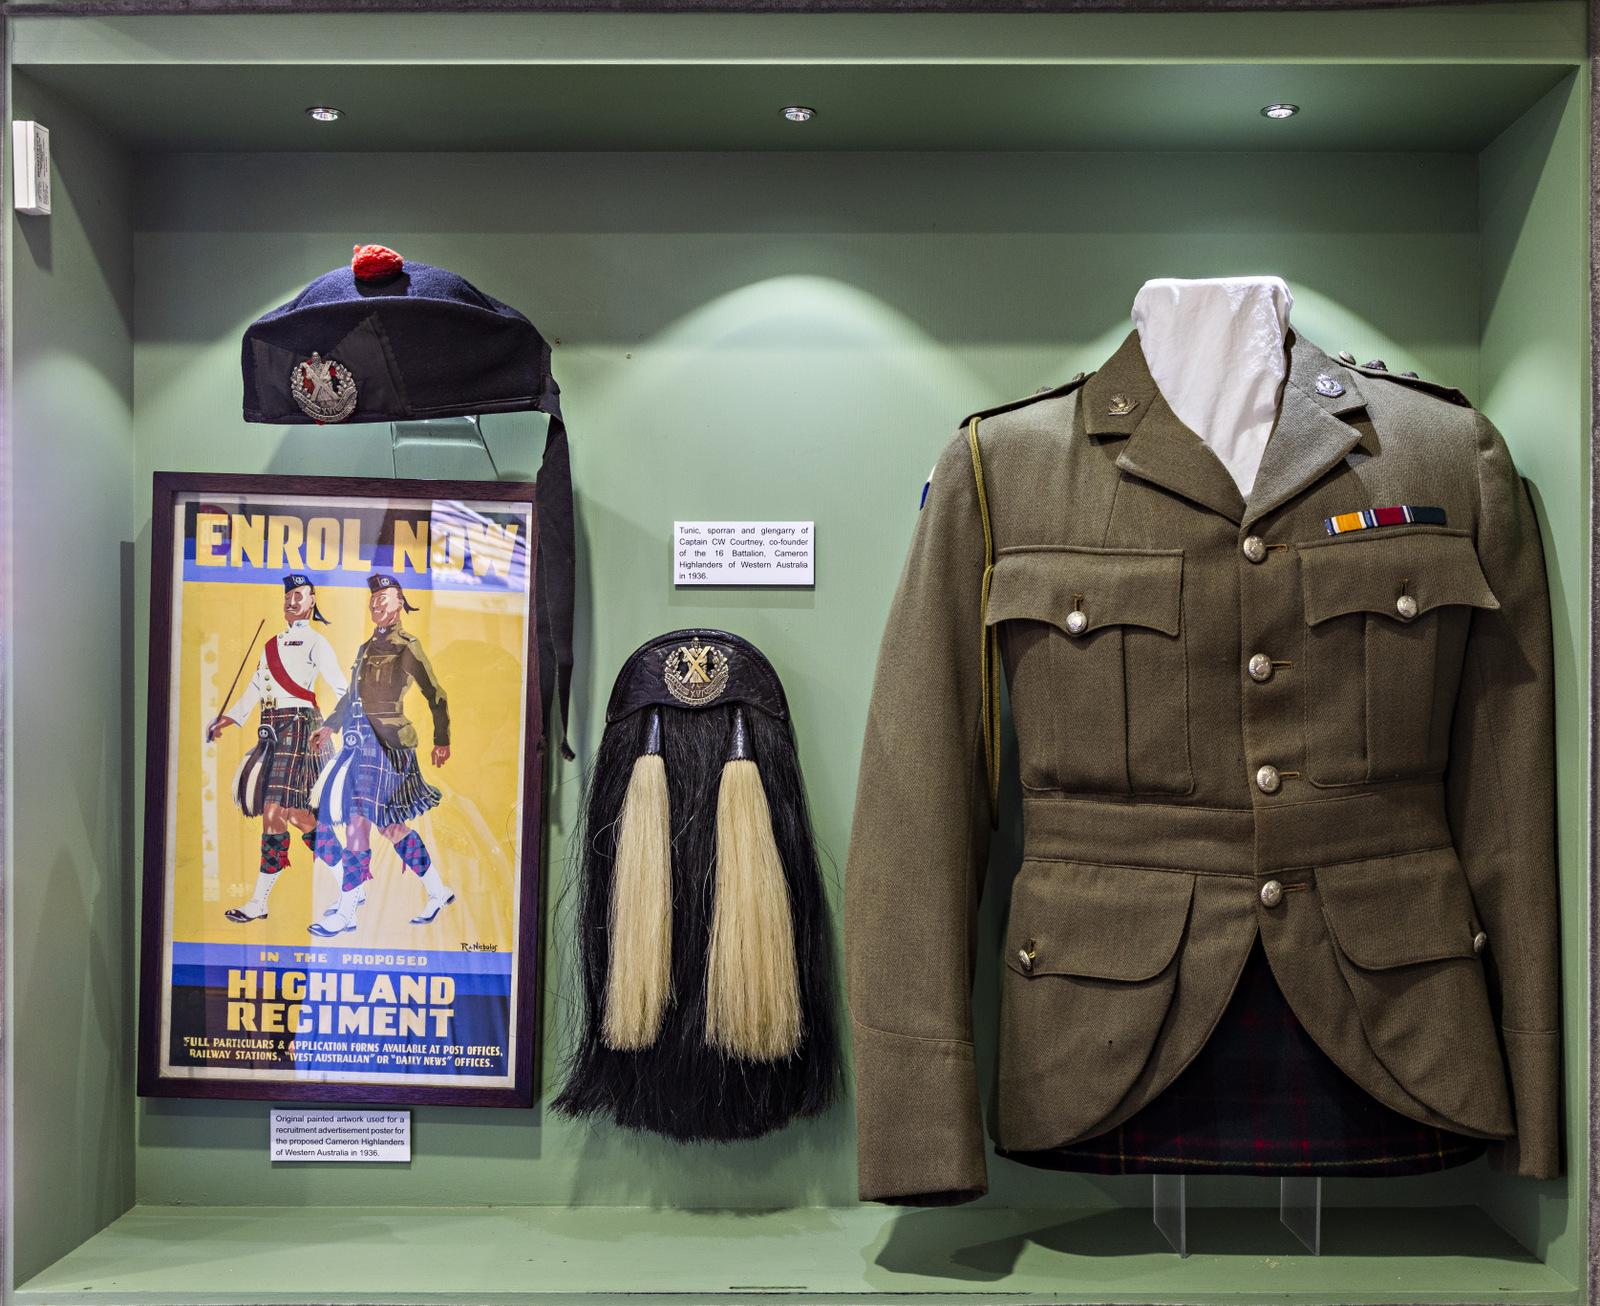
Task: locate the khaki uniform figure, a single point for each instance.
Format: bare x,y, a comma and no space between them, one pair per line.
377,779
1322,717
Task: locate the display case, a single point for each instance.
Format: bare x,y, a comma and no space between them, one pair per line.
753,318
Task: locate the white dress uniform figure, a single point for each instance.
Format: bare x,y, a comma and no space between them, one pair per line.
274,781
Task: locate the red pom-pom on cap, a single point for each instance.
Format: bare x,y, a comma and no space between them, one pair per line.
375,262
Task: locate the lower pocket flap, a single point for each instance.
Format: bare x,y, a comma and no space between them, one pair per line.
1104,922
1400,910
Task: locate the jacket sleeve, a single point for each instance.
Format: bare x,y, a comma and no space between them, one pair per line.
1500,786
326,662
340,711
914,871
421,670
251,694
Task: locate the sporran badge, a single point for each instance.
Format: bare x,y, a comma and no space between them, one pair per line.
696,673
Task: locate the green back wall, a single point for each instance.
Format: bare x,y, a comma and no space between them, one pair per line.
71,868
741,335
745,336
1535,368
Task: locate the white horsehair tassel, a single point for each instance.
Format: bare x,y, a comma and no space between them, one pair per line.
752,978
639,974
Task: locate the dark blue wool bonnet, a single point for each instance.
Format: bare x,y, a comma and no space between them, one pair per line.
418,342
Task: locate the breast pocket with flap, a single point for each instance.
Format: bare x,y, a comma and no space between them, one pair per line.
1386,621
1093,645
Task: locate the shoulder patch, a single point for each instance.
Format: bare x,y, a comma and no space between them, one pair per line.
1048,392
1410,379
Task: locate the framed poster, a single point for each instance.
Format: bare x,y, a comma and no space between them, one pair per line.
342,799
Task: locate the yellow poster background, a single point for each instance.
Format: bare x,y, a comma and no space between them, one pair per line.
477,643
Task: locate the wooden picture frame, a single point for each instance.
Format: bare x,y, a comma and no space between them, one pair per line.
240,995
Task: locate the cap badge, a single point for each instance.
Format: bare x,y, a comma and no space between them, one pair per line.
1121,405
1328,387
696,673
323,388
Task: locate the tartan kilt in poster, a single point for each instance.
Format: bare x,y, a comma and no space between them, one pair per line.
294,766
381,782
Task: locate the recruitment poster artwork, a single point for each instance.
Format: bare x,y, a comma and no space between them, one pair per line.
342,798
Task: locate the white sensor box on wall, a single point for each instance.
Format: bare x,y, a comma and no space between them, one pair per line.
30,167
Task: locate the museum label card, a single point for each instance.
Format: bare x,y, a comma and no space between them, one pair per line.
744,553
341,1135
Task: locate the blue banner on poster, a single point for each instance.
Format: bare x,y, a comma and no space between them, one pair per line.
449,545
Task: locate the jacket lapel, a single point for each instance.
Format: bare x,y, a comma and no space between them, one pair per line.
1121,399
1310,437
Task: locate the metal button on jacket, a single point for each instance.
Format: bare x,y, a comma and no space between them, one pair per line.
1077,621
1260,667
1255,548
1406,606
1480,941
1267,779
1025,959
1271,893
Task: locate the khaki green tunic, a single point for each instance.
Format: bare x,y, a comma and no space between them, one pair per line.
388,664
1229,722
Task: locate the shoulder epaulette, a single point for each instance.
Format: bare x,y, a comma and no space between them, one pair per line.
1047,392
1378,368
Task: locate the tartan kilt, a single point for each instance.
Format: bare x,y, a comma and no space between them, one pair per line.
386,784
294,766
1261,1098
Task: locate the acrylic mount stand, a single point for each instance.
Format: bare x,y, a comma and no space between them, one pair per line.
441,448
1299,1207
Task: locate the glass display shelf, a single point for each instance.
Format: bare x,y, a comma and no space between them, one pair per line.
1022,1255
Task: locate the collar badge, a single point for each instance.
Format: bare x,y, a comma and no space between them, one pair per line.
1328,387
1121,405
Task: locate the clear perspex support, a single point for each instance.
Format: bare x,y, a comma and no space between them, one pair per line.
1299,1207
441,448
1170,1210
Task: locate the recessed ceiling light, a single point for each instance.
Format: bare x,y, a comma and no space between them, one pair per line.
1280,111
799,113
324,113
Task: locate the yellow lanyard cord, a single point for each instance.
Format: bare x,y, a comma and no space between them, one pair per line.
989,658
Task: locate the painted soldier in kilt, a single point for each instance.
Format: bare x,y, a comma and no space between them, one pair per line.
376,780
277,776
